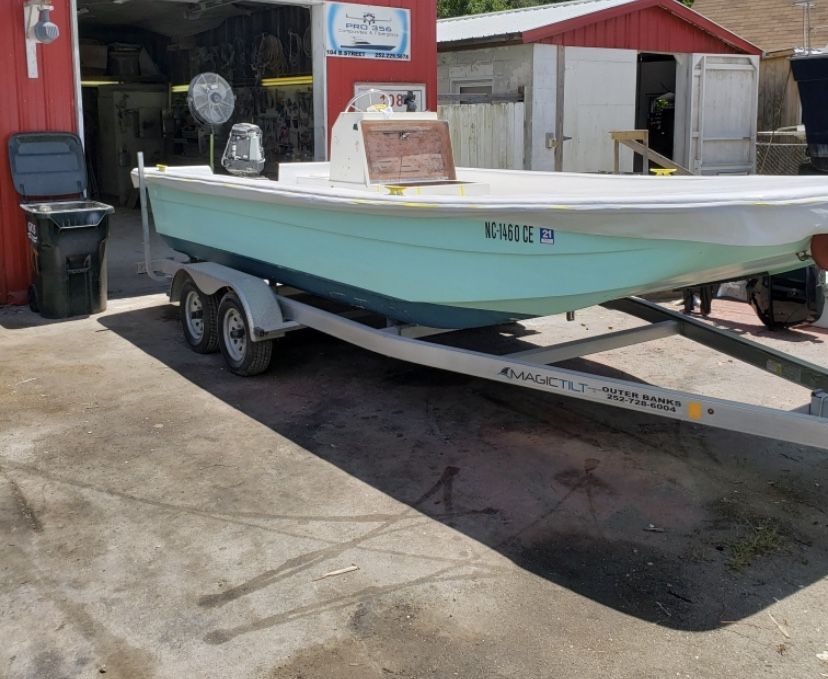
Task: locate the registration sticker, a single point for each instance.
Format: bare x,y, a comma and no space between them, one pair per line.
547,236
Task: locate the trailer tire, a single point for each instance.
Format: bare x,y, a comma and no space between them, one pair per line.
199,313
243,356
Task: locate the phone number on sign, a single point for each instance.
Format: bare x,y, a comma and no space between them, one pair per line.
642,400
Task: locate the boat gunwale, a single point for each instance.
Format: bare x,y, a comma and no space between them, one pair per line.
544,213
529,202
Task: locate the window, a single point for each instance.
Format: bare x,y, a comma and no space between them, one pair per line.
471,86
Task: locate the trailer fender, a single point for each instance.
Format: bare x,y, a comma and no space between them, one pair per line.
261,305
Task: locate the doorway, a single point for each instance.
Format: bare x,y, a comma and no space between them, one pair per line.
137,59
656,102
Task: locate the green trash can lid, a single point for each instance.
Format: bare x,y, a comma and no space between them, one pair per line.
46,164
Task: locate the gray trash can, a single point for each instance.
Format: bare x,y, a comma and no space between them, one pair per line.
68,237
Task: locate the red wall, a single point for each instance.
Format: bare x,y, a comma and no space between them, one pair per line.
651,30
645,26
47,103
343,72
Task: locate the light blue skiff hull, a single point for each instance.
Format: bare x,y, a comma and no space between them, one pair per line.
456,272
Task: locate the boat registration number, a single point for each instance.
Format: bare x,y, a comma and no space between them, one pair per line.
518,233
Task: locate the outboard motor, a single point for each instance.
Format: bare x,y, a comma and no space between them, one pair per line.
798,297
788,299
810,70
243,156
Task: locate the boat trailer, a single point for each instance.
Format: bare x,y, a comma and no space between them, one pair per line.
245,314
241,315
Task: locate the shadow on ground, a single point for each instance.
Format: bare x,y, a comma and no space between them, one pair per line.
679,525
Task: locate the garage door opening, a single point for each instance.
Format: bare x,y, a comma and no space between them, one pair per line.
137,58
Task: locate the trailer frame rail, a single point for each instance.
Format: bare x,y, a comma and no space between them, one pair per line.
273,310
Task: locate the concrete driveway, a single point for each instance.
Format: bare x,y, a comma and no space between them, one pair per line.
347,516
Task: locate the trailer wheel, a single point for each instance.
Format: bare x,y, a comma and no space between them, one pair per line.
243,356
198,318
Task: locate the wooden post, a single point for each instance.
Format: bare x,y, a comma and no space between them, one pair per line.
646,162
560,93
631,138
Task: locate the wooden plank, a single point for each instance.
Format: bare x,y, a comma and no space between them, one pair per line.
634,135
519,125
655,157
475,129
487,135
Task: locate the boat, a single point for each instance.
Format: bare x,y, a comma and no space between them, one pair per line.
390,225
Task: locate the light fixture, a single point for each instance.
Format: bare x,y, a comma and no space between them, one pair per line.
45,30
100,83
288,81
39,29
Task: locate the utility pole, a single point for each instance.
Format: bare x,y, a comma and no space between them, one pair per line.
806,5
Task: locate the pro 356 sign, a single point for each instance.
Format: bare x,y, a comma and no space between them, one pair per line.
367,31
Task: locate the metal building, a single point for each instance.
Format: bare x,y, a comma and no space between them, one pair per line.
575,71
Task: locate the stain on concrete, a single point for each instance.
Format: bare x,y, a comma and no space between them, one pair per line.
103,649
446,483
398,639
24,508
460,572
583,479
696,581
304,562
48,664
629,576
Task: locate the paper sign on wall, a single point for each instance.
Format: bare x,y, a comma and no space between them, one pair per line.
367,31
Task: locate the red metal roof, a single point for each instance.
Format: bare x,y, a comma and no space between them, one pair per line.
645,25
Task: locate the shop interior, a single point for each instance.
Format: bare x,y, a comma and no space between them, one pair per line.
138,58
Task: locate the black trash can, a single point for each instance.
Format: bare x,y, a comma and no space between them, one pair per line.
68,237
68,242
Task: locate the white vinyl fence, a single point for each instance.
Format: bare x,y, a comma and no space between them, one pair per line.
486,135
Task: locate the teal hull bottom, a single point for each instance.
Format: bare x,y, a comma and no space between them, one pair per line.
432,315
